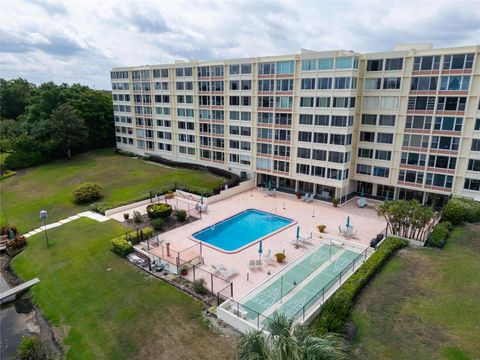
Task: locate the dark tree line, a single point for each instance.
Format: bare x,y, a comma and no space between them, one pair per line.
41,123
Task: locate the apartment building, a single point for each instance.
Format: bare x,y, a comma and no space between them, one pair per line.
403,124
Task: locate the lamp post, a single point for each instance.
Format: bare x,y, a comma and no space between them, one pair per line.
43,216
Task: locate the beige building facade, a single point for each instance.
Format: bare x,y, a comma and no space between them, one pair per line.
402,124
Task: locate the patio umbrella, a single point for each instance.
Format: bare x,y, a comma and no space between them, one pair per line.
201,200
348,221
298,234
260,249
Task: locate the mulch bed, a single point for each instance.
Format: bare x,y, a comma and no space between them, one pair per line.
170,223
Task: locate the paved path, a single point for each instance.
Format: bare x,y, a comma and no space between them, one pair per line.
89,214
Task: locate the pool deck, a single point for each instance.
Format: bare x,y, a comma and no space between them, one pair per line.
308,215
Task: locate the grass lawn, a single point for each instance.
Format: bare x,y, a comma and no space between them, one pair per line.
123,180
107,308
424,304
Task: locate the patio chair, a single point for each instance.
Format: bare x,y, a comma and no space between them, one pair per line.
362,202
251,264
218,268
268,256
305,240
228,273
304,197
258,263
309,198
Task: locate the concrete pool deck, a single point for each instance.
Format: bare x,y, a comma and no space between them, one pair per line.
308,215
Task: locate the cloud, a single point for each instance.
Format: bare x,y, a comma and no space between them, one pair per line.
80,41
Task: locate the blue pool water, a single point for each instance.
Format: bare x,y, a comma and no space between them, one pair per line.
242,229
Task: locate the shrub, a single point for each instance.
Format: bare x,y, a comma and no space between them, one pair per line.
100,207
199,286
32,348
454,211
23,159
336,310
121,247
157,224
159,211
138,235
87,192
126,216
5,229
18,242
6,174
137,217
439,235
280,257
181,215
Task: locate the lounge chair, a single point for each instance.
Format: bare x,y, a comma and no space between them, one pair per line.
258,263
304,197
251,264
305,240
228,273
268,256
362,202
218,268
309,198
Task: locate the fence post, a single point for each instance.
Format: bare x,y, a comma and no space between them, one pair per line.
258,321
231,289
211,279
193,272
201,249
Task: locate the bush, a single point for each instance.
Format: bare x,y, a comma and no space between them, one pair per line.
100,207
121,247
137,217
157,224
161,210
439,235
18,242
454,211
336,310
5,229
126,216
23,159
6,174
32,348
181,215
199,286
138,235
87,192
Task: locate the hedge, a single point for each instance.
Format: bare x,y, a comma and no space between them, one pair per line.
439,235
336,310
138,235
155,211
121,247
458,210
23,159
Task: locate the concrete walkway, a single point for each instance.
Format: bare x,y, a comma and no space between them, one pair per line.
89,214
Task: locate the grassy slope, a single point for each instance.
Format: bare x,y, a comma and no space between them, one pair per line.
50,186
424,304
119,313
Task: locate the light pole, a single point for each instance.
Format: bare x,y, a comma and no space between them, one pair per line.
43,216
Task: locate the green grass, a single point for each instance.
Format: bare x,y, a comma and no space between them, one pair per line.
424,304
105,307
123,180
3,156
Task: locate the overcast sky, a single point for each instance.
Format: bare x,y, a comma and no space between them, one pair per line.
81,40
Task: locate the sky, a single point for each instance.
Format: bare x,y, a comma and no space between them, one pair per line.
80,41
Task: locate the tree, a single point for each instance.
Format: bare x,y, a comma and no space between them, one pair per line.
14,97
287,340
64,131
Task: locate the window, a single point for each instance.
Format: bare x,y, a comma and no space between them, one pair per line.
281,150
308,84
383,155
324,83
235,100
285,85
375,65
369,119
384,138
245,131
342,121
388,102
282,166
421,103
337,174
235,130
424,83
391,83
265,101
246,116
393,64
439,180
367,136
381,171
426,63
303,153
445,142
343,102
414,159
477,124
246,68
364,169
217,70
283,119
448,123
442,162
203,71
418,122
204,86
318,154
386,120
285,67
282,135
266,85
450,103
337,139
306,102
420,141
373,84
365,153
345,83
266,68
234,69
452,83
305,119
475,145
338,157
309,64
325,64
246,85
411,176
303,169
322,120
264,149
179,72
461,61
245,101
264,164
304,136
346,62
472,184
318,171
370,102
217,85
320,138
474,165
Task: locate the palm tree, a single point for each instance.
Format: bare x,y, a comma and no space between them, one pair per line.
289,341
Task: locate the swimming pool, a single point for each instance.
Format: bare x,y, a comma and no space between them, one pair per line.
242,229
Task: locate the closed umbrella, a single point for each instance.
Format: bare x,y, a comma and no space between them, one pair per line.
348,221
298,234
260,249
201,200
